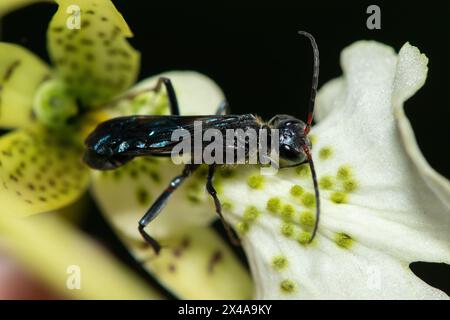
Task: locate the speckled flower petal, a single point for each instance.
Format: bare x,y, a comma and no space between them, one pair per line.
96,60
63,258
40,170
196,264
383,206
191,250
21,73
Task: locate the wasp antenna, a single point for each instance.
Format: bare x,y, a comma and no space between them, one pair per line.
316,190
315,80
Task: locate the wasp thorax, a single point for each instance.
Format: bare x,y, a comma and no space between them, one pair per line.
292,139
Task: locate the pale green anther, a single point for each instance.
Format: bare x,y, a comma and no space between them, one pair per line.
255,181
303,170
274,205
339,197
325,153
53,105
304,237
251,213
349,185
279,263
343,240
307,219
287,229
296,190
243,227
308,200
344,172
287,286
287,212
326,182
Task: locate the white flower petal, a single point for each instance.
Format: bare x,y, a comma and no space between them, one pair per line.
383,207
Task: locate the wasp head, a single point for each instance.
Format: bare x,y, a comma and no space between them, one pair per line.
293,138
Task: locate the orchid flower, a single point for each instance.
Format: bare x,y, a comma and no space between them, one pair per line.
383,206
51,110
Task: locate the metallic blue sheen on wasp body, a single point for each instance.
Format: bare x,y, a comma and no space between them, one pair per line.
117,141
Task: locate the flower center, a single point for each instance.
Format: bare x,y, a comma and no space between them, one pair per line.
53,104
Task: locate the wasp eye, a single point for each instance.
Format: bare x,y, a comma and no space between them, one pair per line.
290,156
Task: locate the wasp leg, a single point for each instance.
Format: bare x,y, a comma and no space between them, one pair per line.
213,193
173,102
160,203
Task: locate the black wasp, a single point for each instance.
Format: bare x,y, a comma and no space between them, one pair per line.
117,141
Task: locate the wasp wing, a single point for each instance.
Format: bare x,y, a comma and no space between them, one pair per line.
118,140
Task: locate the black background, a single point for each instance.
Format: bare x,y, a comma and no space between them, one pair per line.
254,53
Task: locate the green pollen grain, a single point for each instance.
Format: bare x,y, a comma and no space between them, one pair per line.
279,263
326,182
339,197
304,237
325,153
303,170
307,219
274,205
287,229
296,190
349,185
287,286
255,181
287,212
242,227
308,200
343,240
344,172
251,213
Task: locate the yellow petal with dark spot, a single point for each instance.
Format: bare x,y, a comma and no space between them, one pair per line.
197,258
90,50
21,73
40,170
